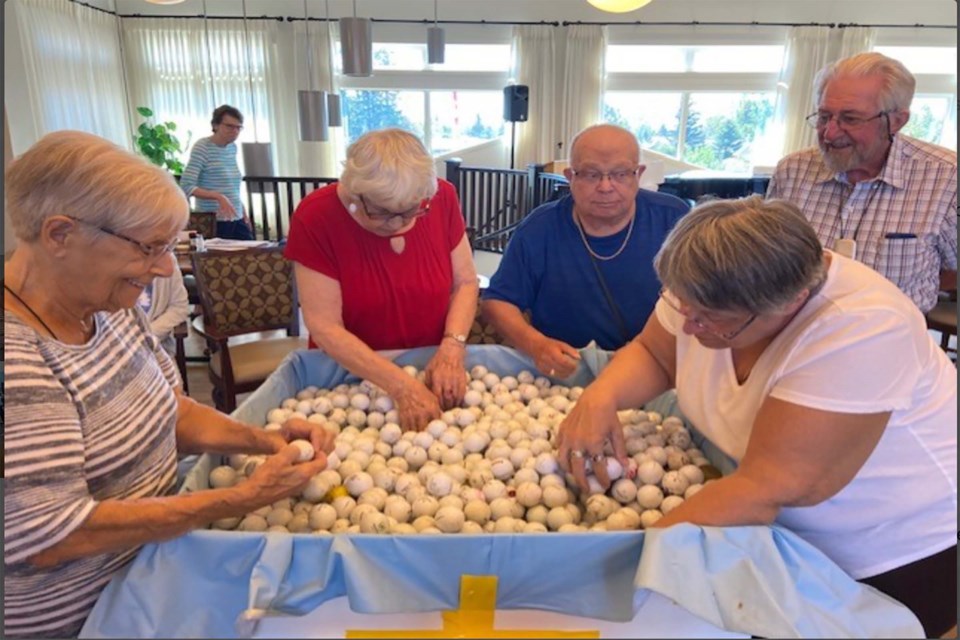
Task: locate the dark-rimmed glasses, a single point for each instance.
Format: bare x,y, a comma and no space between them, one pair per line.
152,251
421,209
730,335
617,176
845,121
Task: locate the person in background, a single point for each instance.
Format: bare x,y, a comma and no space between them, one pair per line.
383,262
94,416
166,303
213,177
818,377
871,192
583,265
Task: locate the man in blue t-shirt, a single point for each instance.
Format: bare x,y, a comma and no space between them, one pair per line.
583,265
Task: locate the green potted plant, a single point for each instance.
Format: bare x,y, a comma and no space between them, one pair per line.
158,143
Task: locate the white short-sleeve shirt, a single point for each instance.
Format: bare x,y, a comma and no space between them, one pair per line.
858,346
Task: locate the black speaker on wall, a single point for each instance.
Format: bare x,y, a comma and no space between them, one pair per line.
516,102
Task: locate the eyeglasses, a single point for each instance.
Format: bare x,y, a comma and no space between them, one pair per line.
617,176
421,209
232,127
845,121
151,251
730,335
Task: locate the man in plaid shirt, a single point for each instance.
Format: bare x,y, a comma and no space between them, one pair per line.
871,193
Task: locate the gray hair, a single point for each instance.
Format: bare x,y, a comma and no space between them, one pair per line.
609,127
86,177
898,83
750,255
391,166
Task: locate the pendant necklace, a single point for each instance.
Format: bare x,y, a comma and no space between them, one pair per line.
583,236
34,313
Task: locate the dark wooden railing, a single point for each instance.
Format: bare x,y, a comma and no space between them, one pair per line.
494,201
277,198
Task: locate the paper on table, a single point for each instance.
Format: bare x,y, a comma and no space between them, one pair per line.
224,244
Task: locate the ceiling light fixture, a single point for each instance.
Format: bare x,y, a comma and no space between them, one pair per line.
619,6
314,123
356,45
334,117
257,156
435,40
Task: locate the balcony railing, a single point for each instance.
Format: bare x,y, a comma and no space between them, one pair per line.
494,201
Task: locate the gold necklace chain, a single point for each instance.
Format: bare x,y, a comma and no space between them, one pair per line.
583,236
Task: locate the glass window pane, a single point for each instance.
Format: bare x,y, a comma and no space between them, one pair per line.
462,119
653,116
927,116
399,57
630,58
475,57
924,59
724,129
369,110
737,59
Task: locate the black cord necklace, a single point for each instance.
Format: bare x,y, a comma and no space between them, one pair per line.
30,309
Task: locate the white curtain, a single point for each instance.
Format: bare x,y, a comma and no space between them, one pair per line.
67,50
534,59
808,50
582,84
256,66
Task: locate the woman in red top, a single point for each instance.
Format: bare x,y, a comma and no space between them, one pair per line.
383,262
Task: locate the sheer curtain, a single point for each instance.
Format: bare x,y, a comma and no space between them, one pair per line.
256,66
534,59
582,81
808,50
69,49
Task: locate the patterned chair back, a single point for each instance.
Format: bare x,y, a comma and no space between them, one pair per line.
203,222
246,291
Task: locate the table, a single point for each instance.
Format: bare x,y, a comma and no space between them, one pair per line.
657,617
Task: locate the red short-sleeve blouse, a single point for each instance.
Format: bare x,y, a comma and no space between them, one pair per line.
390,300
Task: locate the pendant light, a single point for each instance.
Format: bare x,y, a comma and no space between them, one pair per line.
314,125
334,117
435,40
257,156
356,45
619,6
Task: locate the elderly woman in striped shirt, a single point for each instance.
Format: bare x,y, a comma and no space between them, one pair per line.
94,413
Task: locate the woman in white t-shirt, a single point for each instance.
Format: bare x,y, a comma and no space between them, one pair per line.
818,377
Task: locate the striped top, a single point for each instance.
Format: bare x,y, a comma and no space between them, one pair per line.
215,168
84,423
904,221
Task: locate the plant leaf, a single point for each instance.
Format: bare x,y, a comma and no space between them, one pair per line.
145,111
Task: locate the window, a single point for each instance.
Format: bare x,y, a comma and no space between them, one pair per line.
451,106
933,116
660,93
460,119
365,111
630,58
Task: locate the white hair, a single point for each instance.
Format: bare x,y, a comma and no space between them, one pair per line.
898,83
86,177
392,167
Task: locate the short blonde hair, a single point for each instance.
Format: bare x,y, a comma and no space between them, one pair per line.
84,176
898,83
392,167
750,255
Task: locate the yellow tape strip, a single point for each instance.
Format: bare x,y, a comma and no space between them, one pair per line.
474,618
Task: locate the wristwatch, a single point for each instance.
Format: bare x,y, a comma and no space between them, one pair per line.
459,337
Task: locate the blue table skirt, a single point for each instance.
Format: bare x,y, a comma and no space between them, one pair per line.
763,581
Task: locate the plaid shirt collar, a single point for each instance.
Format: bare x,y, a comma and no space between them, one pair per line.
893,172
